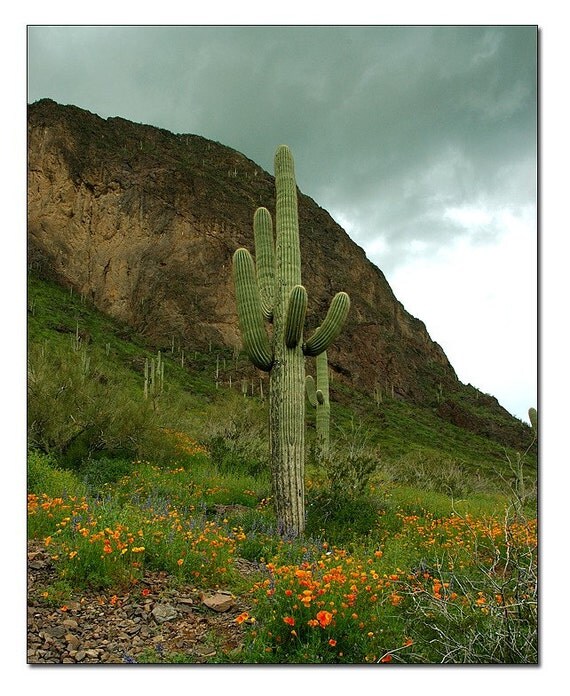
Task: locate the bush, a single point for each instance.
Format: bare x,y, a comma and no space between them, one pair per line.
44,476
77,407
486,612
97,472
339,506
428,470
340,520
238,439
350,464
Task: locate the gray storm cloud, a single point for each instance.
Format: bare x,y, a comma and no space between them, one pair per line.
393,125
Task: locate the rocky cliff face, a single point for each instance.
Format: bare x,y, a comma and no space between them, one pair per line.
145,222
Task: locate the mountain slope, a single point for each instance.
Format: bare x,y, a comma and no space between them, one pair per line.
203,389
144,223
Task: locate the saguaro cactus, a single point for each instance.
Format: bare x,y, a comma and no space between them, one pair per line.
270,289
318,396
153,377
533,418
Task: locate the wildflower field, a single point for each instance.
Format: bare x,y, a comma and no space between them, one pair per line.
421,587
421,537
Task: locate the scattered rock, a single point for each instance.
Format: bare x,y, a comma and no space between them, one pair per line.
220,601
164,612
73,642
184,608
204,651
246,567
96,630
56,631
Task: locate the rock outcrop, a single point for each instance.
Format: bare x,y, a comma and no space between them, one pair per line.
144,223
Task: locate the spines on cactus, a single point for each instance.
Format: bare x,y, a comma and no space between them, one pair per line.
295,320
271,289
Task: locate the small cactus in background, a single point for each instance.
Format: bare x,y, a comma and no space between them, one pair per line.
270,290
318,396
378,394
533,417
153,377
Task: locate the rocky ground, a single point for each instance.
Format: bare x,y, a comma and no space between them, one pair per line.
143,625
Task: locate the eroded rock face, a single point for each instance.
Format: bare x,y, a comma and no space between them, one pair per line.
144,223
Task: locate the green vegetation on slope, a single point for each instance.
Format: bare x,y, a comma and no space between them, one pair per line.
421,537
87,374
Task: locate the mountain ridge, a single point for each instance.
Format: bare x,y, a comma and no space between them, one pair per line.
144,222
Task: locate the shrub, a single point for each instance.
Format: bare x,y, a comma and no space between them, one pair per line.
96,472
340,507
340,520
77,407
428,470
481,607
349,465
44,476
237,440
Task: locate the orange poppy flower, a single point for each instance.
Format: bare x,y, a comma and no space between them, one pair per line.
324,618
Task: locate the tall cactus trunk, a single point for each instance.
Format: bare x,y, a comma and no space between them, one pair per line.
286,419
287,403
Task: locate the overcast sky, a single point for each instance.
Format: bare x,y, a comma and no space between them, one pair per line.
420,141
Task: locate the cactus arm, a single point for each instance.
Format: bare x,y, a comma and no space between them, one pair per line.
315,396
296,309
331,326
250,313
264,259
311,391
318,394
